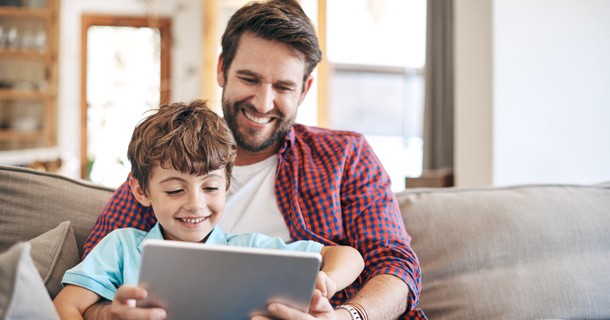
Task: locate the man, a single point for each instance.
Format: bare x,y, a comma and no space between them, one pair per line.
293,181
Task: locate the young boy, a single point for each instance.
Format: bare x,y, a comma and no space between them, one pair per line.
181,160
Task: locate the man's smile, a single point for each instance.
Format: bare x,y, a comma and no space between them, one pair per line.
257,119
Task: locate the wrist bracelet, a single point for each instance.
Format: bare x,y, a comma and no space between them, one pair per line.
361,311
352,311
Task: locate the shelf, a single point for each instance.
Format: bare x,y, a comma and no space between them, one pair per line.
13,135
22,54
11,94
24,12
28,92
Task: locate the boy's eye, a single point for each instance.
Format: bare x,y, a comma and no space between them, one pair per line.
210,188
172,192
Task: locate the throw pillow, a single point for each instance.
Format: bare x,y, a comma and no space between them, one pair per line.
54,252
22,292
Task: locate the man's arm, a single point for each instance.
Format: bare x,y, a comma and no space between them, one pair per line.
363,214
383,297
374,225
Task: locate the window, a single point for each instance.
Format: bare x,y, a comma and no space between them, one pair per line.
126,74
376,53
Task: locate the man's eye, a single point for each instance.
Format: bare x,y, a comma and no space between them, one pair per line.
249,80
172,192
283,88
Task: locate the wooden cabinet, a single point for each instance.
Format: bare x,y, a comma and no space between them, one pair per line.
28,73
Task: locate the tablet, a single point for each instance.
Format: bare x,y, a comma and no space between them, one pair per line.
198,281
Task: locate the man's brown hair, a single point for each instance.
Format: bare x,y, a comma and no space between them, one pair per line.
190,138
279,20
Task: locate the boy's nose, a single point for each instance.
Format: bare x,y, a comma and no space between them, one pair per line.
194,202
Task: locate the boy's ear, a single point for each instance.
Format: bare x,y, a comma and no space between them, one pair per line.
138,193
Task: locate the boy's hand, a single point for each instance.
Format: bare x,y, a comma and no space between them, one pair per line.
124,305
326,284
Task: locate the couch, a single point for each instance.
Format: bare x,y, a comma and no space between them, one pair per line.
519,252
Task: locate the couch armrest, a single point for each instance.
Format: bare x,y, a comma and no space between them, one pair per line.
33,202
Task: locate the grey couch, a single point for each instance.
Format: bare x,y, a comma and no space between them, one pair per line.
521,252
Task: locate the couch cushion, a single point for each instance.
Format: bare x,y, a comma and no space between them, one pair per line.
32,203
22,292
54,252
523,252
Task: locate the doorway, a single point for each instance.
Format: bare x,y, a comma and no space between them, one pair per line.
125,72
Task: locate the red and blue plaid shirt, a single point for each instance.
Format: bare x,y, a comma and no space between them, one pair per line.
331,188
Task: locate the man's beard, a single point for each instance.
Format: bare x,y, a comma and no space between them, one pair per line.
282,127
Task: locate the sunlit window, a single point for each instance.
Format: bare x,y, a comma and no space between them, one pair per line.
376,51
123,82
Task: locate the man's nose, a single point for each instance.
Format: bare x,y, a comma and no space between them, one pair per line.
264,97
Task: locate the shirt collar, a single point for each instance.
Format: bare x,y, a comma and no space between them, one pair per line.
288,141
154,233
217,236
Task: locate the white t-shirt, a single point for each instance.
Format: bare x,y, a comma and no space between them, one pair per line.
251,205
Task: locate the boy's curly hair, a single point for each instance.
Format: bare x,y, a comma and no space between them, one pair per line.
190,138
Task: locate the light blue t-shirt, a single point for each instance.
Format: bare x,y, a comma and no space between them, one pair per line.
115,260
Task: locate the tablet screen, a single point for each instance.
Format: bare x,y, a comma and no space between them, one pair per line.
198,281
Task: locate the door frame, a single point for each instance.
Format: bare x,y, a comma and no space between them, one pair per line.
88,20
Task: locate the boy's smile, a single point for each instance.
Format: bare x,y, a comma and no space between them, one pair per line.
187,206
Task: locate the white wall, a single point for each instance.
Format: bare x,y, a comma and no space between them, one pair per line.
550,107
185,57
473,92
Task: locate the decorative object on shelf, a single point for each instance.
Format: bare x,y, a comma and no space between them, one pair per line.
52,166
10,3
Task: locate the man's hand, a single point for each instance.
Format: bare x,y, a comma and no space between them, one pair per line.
319,308
124,307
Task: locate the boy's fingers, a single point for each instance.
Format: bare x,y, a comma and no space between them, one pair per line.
126,293
123,306
135,313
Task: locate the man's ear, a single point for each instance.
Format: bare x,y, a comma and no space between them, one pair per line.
220,74
138,193
306,87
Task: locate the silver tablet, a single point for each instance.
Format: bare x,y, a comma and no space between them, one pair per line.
197,281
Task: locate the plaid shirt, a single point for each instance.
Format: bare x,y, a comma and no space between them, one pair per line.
331,188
